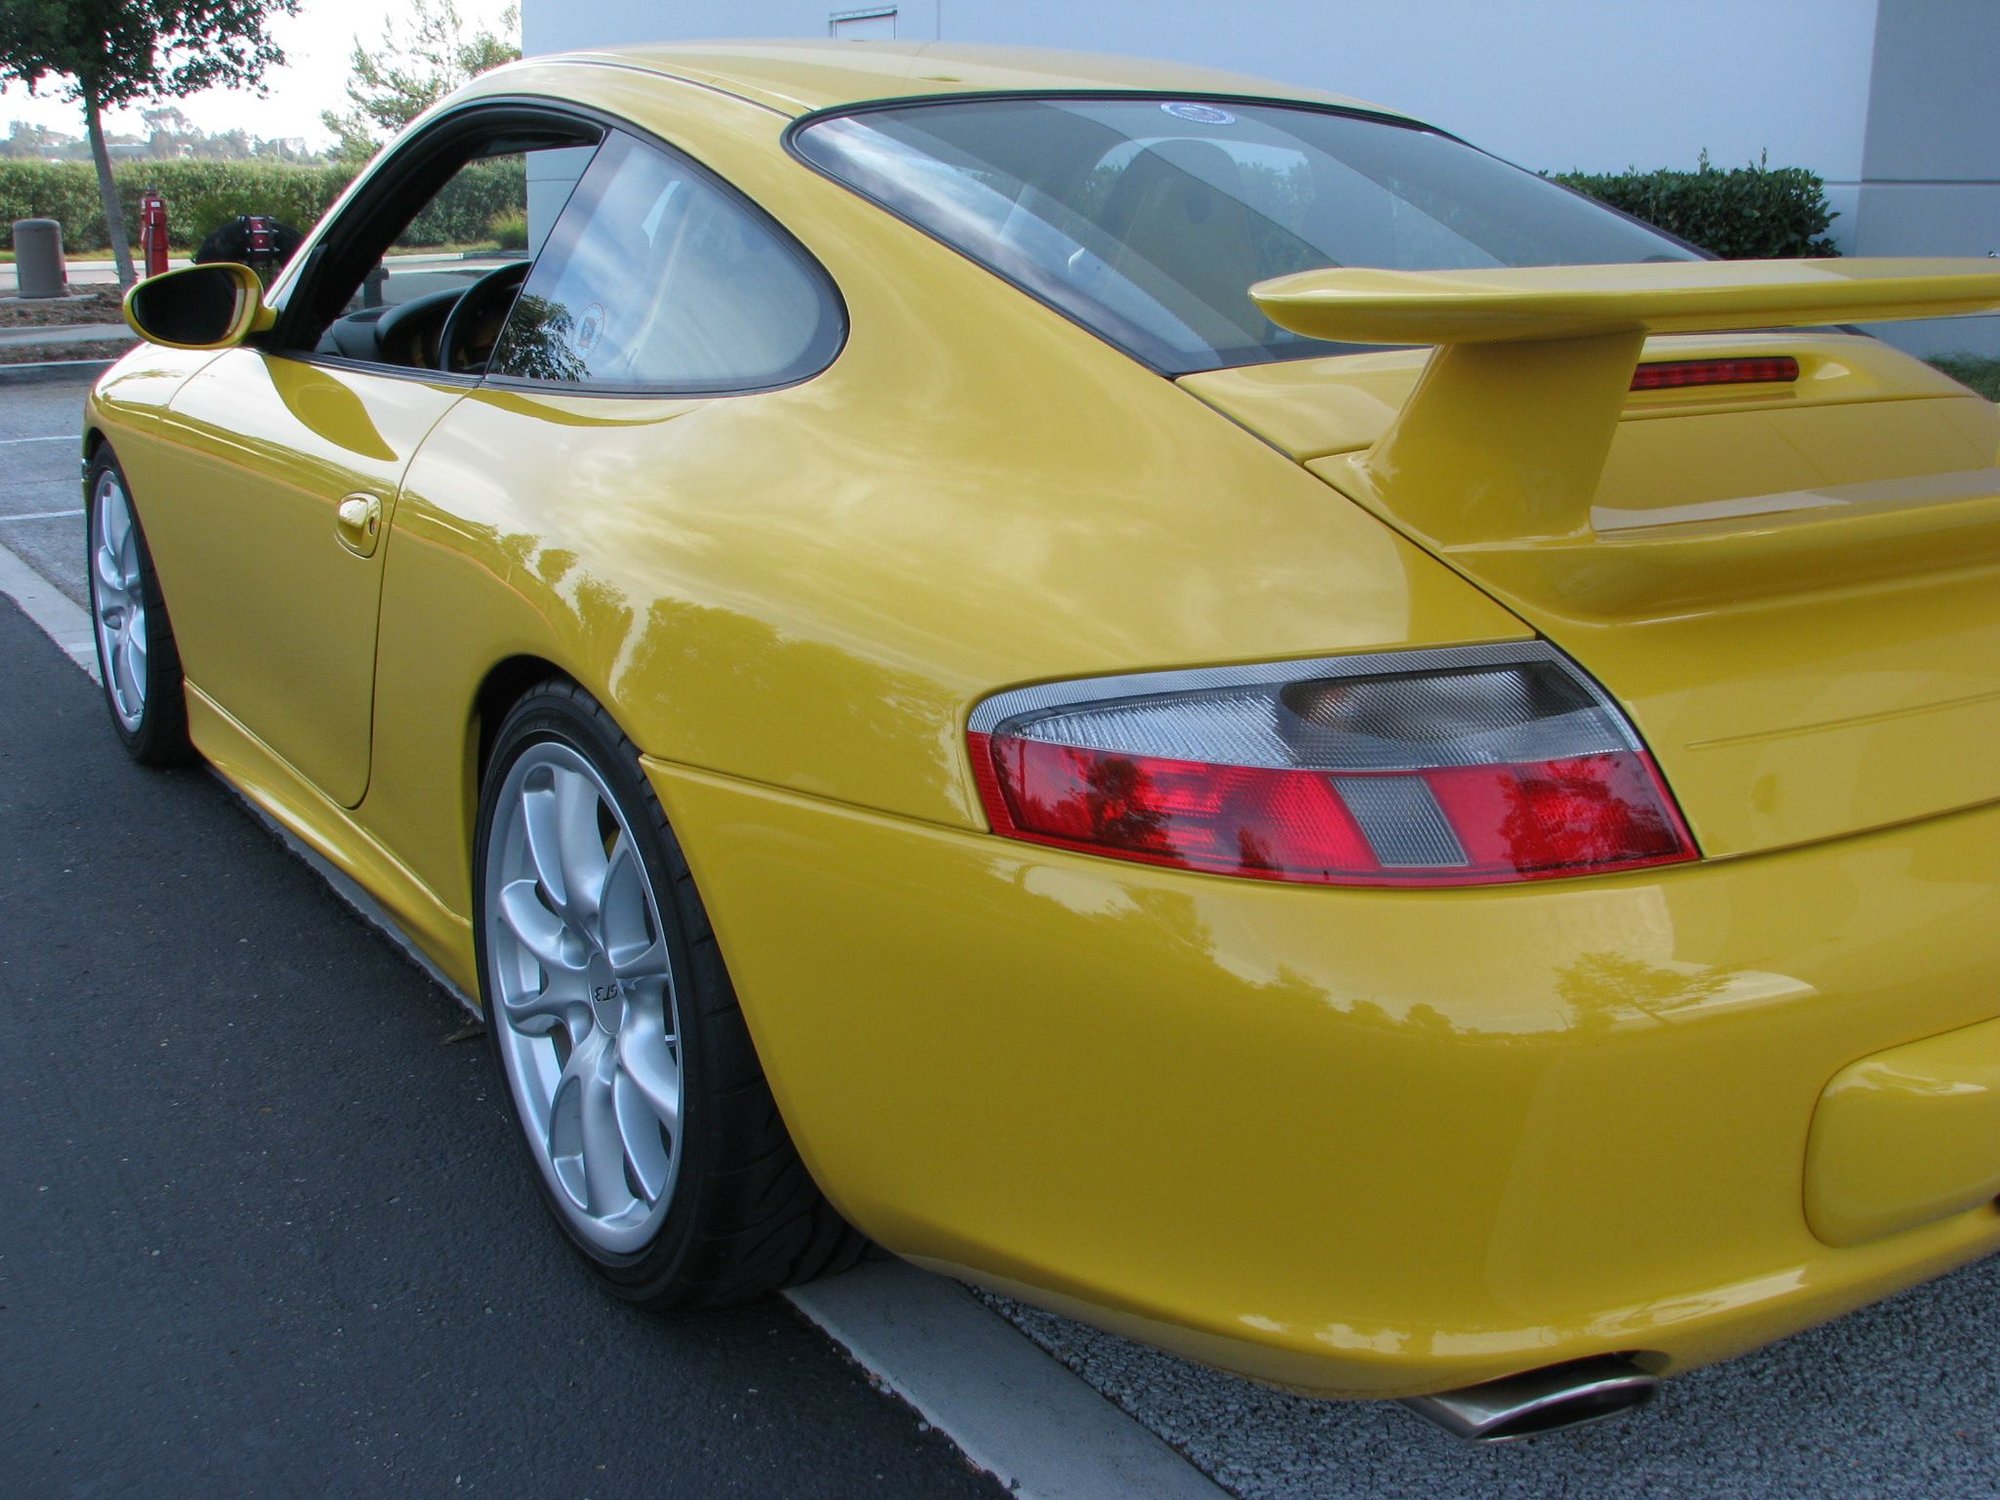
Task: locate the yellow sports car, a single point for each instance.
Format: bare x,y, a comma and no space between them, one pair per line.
1189,700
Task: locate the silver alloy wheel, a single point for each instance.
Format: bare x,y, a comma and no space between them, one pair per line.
118,601
583,999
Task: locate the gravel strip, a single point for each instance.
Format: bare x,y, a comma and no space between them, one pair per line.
1899,1399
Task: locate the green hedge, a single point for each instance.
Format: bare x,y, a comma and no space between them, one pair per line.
1747,213
463,213
1756,212
200,195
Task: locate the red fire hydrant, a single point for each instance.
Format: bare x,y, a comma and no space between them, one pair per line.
153,231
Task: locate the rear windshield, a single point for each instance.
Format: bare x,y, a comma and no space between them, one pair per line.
1148,219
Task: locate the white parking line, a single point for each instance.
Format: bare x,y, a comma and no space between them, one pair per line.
1010,1408
45,515
59,438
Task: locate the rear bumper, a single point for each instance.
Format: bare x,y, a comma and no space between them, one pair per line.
1355,1143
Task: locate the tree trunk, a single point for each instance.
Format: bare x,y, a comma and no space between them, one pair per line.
107,187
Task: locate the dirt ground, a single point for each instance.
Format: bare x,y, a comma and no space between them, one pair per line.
28,354
98,305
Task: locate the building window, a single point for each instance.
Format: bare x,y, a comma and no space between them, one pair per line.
877,24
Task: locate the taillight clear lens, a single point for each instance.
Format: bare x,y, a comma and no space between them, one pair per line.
1449,767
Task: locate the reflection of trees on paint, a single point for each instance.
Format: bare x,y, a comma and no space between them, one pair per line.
1603,988
1093,797
1591,810
1117,804
536,345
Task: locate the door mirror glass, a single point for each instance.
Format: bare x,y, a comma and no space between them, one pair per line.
199,307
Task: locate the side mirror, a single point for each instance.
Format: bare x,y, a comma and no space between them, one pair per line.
199,307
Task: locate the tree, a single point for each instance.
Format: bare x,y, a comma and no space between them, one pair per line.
27,139
392,85
108,53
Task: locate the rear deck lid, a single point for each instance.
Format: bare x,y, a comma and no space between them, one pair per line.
1790,577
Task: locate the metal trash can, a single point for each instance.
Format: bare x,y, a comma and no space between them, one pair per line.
38,258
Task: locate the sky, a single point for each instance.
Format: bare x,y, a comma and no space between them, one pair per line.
317,41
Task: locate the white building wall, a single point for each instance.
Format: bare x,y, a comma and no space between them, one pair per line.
1592,84
1931,155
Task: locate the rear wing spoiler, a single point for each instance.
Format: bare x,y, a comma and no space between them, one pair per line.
1504,439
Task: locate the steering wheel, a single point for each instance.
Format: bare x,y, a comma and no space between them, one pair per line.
405,323
490,293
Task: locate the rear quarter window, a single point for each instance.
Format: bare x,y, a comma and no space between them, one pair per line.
658,277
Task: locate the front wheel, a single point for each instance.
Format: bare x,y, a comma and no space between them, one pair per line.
628,1067
136,656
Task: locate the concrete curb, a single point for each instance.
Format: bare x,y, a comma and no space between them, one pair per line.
37,372
1011,1409
50,608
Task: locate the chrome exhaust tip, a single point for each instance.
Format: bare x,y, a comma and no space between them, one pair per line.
1547,1400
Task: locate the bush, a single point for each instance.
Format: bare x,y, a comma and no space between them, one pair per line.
1982,374
61,190
509,230
1758,212
460,214
200,195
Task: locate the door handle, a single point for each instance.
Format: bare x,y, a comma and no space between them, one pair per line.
358,524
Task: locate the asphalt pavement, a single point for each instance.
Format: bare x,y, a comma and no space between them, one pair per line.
41,495
266,1229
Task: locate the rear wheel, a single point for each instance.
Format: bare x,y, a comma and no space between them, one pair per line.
629,1070
136,657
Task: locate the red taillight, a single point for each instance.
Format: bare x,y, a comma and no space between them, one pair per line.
1674,374
1233,820
1415,784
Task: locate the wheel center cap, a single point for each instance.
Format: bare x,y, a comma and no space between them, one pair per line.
607,996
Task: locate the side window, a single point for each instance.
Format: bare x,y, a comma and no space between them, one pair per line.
658,278
440,239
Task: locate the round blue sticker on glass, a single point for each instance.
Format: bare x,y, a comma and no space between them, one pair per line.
1200,114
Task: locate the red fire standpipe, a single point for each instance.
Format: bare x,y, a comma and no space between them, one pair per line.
153,230
262,250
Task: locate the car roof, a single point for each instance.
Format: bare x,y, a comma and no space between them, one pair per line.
799,76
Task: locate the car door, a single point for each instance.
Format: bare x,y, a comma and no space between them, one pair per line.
289,471
288,459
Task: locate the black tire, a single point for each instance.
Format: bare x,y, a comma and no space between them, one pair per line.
148,702
740,1216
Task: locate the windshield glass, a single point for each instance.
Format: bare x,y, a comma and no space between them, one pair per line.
1148,219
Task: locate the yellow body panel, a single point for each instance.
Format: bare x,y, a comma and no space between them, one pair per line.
1906,1137
811,600
1362,1143
1357,1142
796,77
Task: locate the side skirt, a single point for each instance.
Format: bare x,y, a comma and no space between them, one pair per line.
330,831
